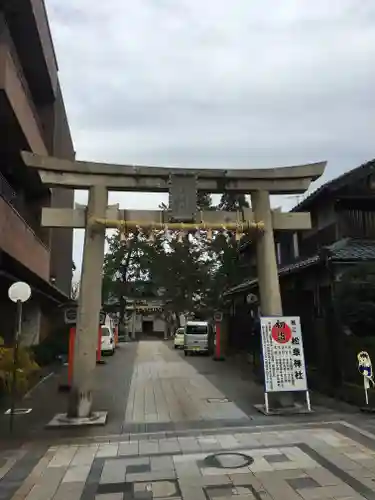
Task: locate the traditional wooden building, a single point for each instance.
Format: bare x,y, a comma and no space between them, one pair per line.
310,266
145,318
145,314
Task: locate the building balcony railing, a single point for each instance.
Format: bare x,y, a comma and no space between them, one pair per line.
13,199
14,86
18,238
7,192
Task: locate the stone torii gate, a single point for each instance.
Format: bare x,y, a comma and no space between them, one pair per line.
182,184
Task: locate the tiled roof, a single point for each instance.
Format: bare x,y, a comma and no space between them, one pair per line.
299,265
245,285
345,250
337,183
352,249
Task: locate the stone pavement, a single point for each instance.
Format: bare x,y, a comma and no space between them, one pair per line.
166,388
148,387
111,393
169,391
185,428
328,460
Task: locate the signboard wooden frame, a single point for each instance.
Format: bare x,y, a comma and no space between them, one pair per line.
283,357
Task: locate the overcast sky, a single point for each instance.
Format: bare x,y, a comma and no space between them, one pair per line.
217,84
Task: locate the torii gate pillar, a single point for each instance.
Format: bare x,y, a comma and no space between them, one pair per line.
268,278
89,306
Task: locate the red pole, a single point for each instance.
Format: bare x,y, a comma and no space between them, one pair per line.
72,334
218,355
99,348
217,327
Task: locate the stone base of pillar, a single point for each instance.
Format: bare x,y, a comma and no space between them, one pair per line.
61,420
80,403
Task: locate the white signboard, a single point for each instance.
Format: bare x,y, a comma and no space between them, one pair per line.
70,316
218,316
283,357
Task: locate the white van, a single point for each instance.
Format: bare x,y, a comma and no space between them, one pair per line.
108,337
198,337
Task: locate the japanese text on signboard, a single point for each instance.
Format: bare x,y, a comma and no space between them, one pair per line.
283,356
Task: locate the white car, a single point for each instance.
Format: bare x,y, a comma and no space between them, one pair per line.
108,340
179,338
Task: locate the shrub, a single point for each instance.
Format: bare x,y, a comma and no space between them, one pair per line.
26,369
56,344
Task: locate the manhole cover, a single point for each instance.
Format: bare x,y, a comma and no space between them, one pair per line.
218,400
228,460
19,411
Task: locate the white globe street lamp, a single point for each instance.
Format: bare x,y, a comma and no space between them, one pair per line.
19,293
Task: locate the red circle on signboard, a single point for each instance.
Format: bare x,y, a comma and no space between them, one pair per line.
281,333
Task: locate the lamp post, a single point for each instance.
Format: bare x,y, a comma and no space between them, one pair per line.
19,293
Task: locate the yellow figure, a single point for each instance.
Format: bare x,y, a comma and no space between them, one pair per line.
365,369
365,366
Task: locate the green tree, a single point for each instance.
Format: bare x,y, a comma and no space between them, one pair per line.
204,201
180,267
232,202
193,270
223,253
224,269
123,262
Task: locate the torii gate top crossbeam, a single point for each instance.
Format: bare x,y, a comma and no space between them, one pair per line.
82,175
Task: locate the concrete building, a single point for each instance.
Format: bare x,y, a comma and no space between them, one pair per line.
32,118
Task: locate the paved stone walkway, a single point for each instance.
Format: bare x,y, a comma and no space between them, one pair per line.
173,434
312,461
165,388
150,387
